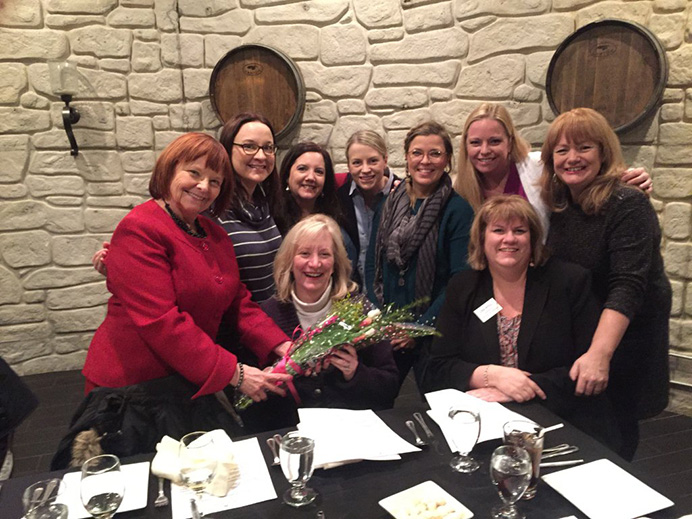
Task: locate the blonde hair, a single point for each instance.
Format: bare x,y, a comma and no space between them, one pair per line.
582,125
306,231
368,138
505,208
466,182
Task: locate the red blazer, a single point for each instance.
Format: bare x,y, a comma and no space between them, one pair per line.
170,292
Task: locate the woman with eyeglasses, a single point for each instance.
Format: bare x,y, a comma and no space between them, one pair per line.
420,237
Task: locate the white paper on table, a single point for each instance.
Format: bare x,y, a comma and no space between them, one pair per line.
254,486
343,435
602,490
493,415
136,476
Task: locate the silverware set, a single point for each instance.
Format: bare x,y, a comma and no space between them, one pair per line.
274,444
161,499
559,450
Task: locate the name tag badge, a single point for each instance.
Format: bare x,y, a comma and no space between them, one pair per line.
487,310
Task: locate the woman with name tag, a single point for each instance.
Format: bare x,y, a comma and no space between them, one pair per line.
513,326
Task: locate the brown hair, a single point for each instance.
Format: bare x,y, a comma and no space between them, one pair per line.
188,148
423,129
582,125
505,208
466,182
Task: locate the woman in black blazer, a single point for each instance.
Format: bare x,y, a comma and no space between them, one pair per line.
539,317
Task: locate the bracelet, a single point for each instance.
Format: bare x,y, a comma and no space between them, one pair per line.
241,376
485,375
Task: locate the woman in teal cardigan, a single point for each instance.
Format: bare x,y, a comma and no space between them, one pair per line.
420,236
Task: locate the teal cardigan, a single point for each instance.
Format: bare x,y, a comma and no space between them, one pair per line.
452,251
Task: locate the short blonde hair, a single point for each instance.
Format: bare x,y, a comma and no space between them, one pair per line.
305,231
466,182
582,125
505,208
367,138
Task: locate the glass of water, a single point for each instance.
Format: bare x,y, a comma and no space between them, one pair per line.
510,471
466,427
297,456
198,461
39,500
103,486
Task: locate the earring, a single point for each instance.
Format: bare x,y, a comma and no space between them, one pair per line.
287,188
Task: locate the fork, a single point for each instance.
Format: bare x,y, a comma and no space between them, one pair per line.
161,499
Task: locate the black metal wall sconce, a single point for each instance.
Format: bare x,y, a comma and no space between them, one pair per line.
64,80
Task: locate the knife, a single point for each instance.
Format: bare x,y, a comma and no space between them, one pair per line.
434,441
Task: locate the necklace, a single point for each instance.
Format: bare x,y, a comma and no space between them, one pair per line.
199,233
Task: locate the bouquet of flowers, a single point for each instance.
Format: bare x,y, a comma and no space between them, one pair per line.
347,323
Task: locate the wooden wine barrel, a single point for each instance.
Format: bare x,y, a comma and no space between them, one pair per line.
260,79
618,68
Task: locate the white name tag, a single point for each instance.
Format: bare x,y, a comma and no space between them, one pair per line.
487,310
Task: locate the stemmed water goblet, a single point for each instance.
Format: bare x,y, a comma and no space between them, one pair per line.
198,462
466,427
297,457
102,486
510,471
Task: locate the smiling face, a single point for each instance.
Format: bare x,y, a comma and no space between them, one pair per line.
366,166
576,164
193,189
488,147
313,266
252,169
507,245
426,161
306,179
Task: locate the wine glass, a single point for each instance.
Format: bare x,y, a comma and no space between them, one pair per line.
297,455
39,500
510,470
466,427
198,461
103,486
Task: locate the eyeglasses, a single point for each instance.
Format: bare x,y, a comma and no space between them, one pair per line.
250,148
433,155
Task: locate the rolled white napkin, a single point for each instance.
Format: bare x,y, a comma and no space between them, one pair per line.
167,465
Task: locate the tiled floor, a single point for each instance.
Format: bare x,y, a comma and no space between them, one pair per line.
665,450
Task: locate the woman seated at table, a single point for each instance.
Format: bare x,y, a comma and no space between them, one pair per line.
308,185
613,231
312,271
173,276
512,327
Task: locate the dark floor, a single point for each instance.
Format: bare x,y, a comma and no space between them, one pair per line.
665,450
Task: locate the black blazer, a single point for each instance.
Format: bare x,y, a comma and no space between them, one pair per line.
559,317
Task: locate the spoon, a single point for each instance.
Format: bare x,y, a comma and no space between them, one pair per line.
275,451
412,427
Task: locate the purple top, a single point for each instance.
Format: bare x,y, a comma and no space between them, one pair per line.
513,185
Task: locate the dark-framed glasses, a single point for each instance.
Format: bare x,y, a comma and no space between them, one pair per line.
250,148
433,155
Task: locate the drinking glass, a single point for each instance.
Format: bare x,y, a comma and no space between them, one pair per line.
103,486
466,427
510,471
529,436
198,461
297,456
39,500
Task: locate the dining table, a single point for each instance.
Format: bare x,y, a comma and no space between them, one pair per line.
354,490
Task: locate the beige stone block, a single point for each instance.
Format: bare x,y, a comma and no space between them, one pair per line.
68,21
23,350
21,14
527,93
677,257
646,131
320,112
668,28
146,57
25,249
34,296
161,122
67,321
640,157
314,11
83,296
127,201
473,24
13,157
34,101
441,74
102,42
678,288
638,12
102,220
182,49
535,134
439,44
350,106
523,114
40,186
24,214
452,115
671,112
22,314
163,139
84,61
672,95
349,124
65,201
166,12
402,98
680,66
93,84
441,94
134,132
187,117
24,332
138,161
131,18
210,119
216,46
467,8
55,277
428,17
406,119
383,35
675,133
688,298
343,45
165,86
677,220
62,220
492,78
204,9
80,6
12,81
147,35
673,183
688,102
18,44
147,108
349,81
537,67
237,21
10,287
137,184
375,15
13,191
666,6
104,188
70,343
196,83
314,132
21,120
52,363
296,41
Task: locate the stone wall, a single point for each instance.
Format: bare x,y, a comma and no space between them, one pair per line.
384,64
